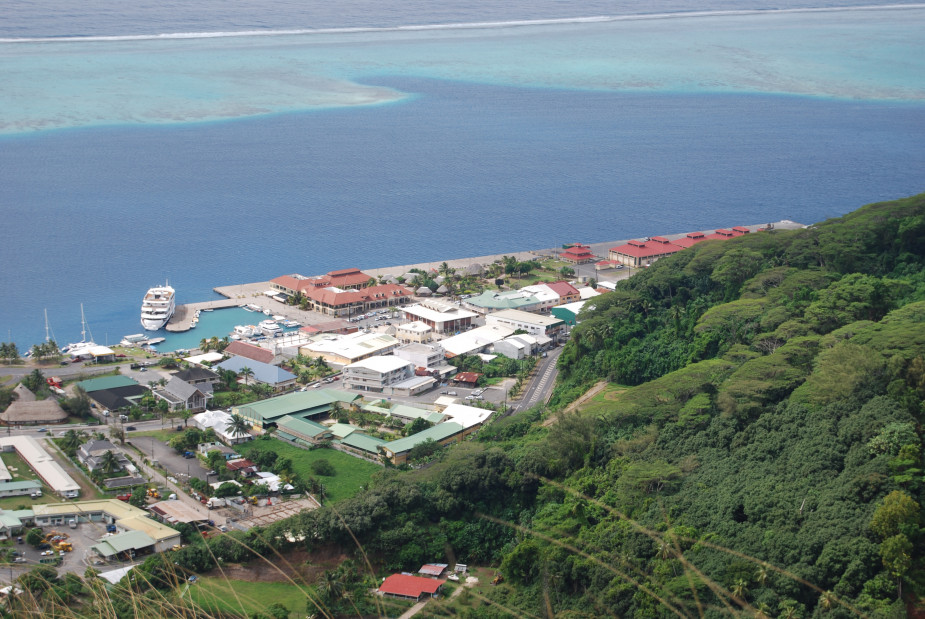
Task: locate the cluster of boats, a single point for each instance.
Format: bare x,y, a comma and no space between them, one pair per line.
266,328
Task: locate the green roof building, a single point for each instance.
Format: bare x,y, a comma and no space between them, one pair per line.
127,543
362,445
105,382
301,404
301,431
443,433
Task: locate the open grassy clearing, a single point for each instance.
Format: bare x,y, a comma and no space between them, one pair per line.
351,472
242,598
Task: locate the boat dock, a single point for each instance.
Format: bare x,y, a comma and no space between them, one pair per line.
182,319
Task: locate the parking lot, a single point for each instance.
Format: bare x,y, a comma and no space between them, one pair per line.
82,538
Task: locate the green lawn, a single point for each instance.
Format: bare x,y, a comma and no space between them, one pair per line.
351,472
242,598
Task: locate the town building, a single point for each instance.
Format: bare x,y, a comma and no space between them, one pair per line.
429,356
36,412
492,300
377,373
440,316
221,423
642,253
350,348
517,346
92,453
442,433
690,239
113,392
39,460
568,313
198,376
414,332
301,404
302,431
478,340
534,324
252,352
278,378
578,254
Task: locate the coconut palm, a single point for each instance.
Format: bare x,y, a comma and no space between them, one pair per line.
72,440
204,345
246,372
239,426
109,463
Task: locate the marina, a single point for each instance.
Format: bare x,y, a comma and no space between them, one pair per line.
186,315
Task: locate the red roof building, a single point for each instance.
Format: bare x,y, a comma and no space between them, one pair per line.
410,587
578,253
336,301
468,378
567,292
434,570
741,229
341,327
723,234
345,279
643,253
690,239
250,351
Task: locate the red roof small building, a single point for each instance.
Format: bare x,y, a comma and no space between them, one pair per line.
434,570
567,292
332,326
410,587
723,234
250,351
741,229
642,253
469,378
578,253
690,239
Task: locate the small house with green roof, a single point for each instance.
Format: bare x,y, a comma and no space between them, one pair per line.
443,433
361,445
302,431
105,382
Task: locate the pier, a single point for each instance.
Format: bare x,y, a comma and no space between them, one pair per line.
182,319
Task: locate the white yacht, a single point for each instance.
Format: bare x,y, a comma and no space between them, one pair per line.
270,327
158,306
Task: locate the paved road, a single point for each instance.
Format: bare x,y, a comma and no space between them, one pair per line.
544,379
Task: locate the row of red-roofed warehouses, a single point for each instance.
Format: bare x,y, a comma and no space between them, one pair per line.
642,253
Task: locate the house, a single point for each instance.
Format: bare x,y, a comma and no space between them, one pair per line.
377,373
91,455
220,422
642,253
434,570
578,254
113,392
410,587
278,378
440,316
197,375
467,379
241,466
179,394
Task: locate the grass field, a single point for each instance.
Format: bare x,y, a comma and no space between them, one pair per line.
242,598
351,472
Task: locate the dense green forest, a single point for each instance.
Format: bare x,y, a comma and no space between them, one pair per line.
757,448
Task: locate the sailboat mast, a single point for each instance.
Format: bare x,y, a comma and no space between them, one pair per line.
47,337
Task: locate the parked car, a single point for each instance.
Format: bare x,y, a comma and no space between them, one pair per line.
42,430
130,428
451,393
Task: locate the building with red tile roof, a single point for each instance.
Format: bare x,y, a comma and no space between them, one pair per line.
642,253
567,292
332,326
250,351
690,239
410,587
336,301
724,234
741,229
469,378
345,279
578,253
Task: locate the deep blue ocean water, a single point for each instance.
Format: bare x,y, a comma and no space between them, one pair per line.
96,215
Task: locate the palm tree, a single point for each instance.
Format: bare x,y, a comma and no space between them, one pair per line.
238,426
72,440
331,586
245,372
204,345
109,462
740,589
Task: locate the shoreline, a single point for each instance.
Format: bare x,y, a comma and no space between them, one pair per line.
247,292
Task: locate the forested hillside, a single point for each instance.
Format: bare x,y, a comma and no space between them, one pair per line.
757,449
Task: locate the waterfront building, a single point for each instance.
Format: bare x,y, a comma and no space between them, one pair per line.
578,254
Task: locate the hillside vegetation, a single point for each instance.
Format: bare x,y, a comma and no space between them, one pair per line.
758,450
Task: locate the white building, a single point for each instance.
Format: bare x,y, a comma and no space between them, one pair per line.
422,355
220,422
415,331
377,373
533,324
546,297
39,460
440,316
476,341
517,346
350,348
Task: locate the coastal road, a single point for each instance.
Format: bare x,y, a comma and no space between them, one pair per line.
537,392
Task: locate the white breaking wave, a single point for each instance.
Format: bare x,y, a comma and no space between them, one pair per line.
452,26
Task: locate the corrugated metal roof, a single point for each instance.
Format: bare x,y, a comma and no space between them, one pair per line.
365,443
303,427
105,382
130,540
438,433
